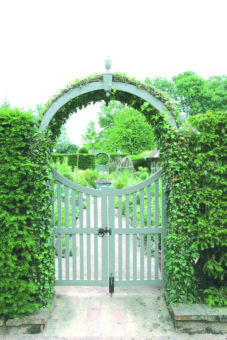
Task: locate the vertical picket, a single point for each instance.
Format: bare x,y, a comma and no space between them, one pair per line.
81,226
88,225
156,226
134,238
127,240
74,252
59,235
104,209
66,235
163,230
149,205
112,250
120,238
96,257
142,235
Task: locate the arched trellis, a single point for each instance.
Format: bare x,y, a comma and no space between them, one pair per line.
107,87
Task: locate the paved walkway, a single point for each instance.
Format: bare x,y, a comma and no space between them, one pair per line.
89,313
83,313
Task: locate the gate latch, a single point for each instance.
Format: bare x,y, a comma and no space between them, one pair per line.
103,231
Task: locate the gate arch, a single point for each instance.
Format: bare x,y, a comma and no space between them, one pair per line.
107,87
82,227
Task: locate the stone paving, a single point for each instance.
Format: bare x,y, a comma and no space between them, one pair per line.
83,313
89,313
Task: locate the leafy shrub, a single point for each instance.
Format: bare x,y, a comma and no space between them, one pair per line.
64,169
86,177
83,150
26,252
210,149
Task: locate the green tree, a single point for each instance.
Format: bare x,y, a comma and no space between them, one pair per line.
218,86
130,133
107,113
63,144
91,139
122,129
193,94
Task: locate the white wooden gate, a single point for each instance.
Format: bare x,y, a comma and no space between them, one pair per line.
108,236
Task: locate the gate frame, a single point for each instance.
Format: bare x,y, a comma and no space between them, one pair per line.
108,247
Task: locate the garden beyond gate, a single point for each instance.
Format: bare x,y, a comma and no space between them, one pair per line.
108,236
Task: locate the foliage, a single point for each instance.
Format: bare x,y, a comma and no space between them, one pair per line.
216,297
26,266
83,150
63,144
91,138
139,161
123,129
82,161
193,94
210,148
86,177
64,168
194,167
130,133
180,176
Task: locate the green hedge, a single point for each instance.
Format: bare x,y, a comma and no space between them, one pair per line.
210,150
26,256
194,167
88,161
84,161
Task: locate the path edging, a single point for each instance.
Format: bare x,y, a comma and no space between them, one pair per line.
198,318
29,324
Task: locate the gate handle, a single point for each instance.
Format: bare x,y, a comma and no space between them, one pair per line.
103,231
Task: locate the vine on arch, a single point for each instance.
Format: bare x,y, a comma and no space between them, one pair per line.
179,176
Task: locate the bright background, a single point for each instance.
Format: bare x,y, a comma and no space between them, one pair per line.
46,44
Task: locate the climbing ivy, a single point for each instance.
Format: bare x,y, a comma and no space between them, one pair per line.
181,154
93,97
194,177
209,143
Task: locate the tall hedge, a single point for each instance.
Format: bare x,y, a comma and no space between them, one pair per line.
194,168
26,255
210,151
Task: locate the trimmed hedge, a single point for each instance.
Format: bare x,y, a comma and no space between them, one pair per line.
88,161
210,150
84,161
26,257
194,167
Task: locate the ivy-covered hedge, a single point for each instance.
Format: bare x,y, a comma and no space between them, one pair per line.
210,151
194,168
187,186
26,256
194,177
81,160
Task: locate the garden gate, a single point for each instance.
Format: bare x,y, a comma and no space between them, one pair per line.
98,244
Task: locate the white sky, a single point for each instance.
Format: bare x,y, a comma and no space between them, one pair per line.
46,44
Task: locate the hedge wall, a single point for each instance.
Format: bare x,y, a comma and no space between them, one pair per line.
210,151
26,256
88,161
194,167
84,161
